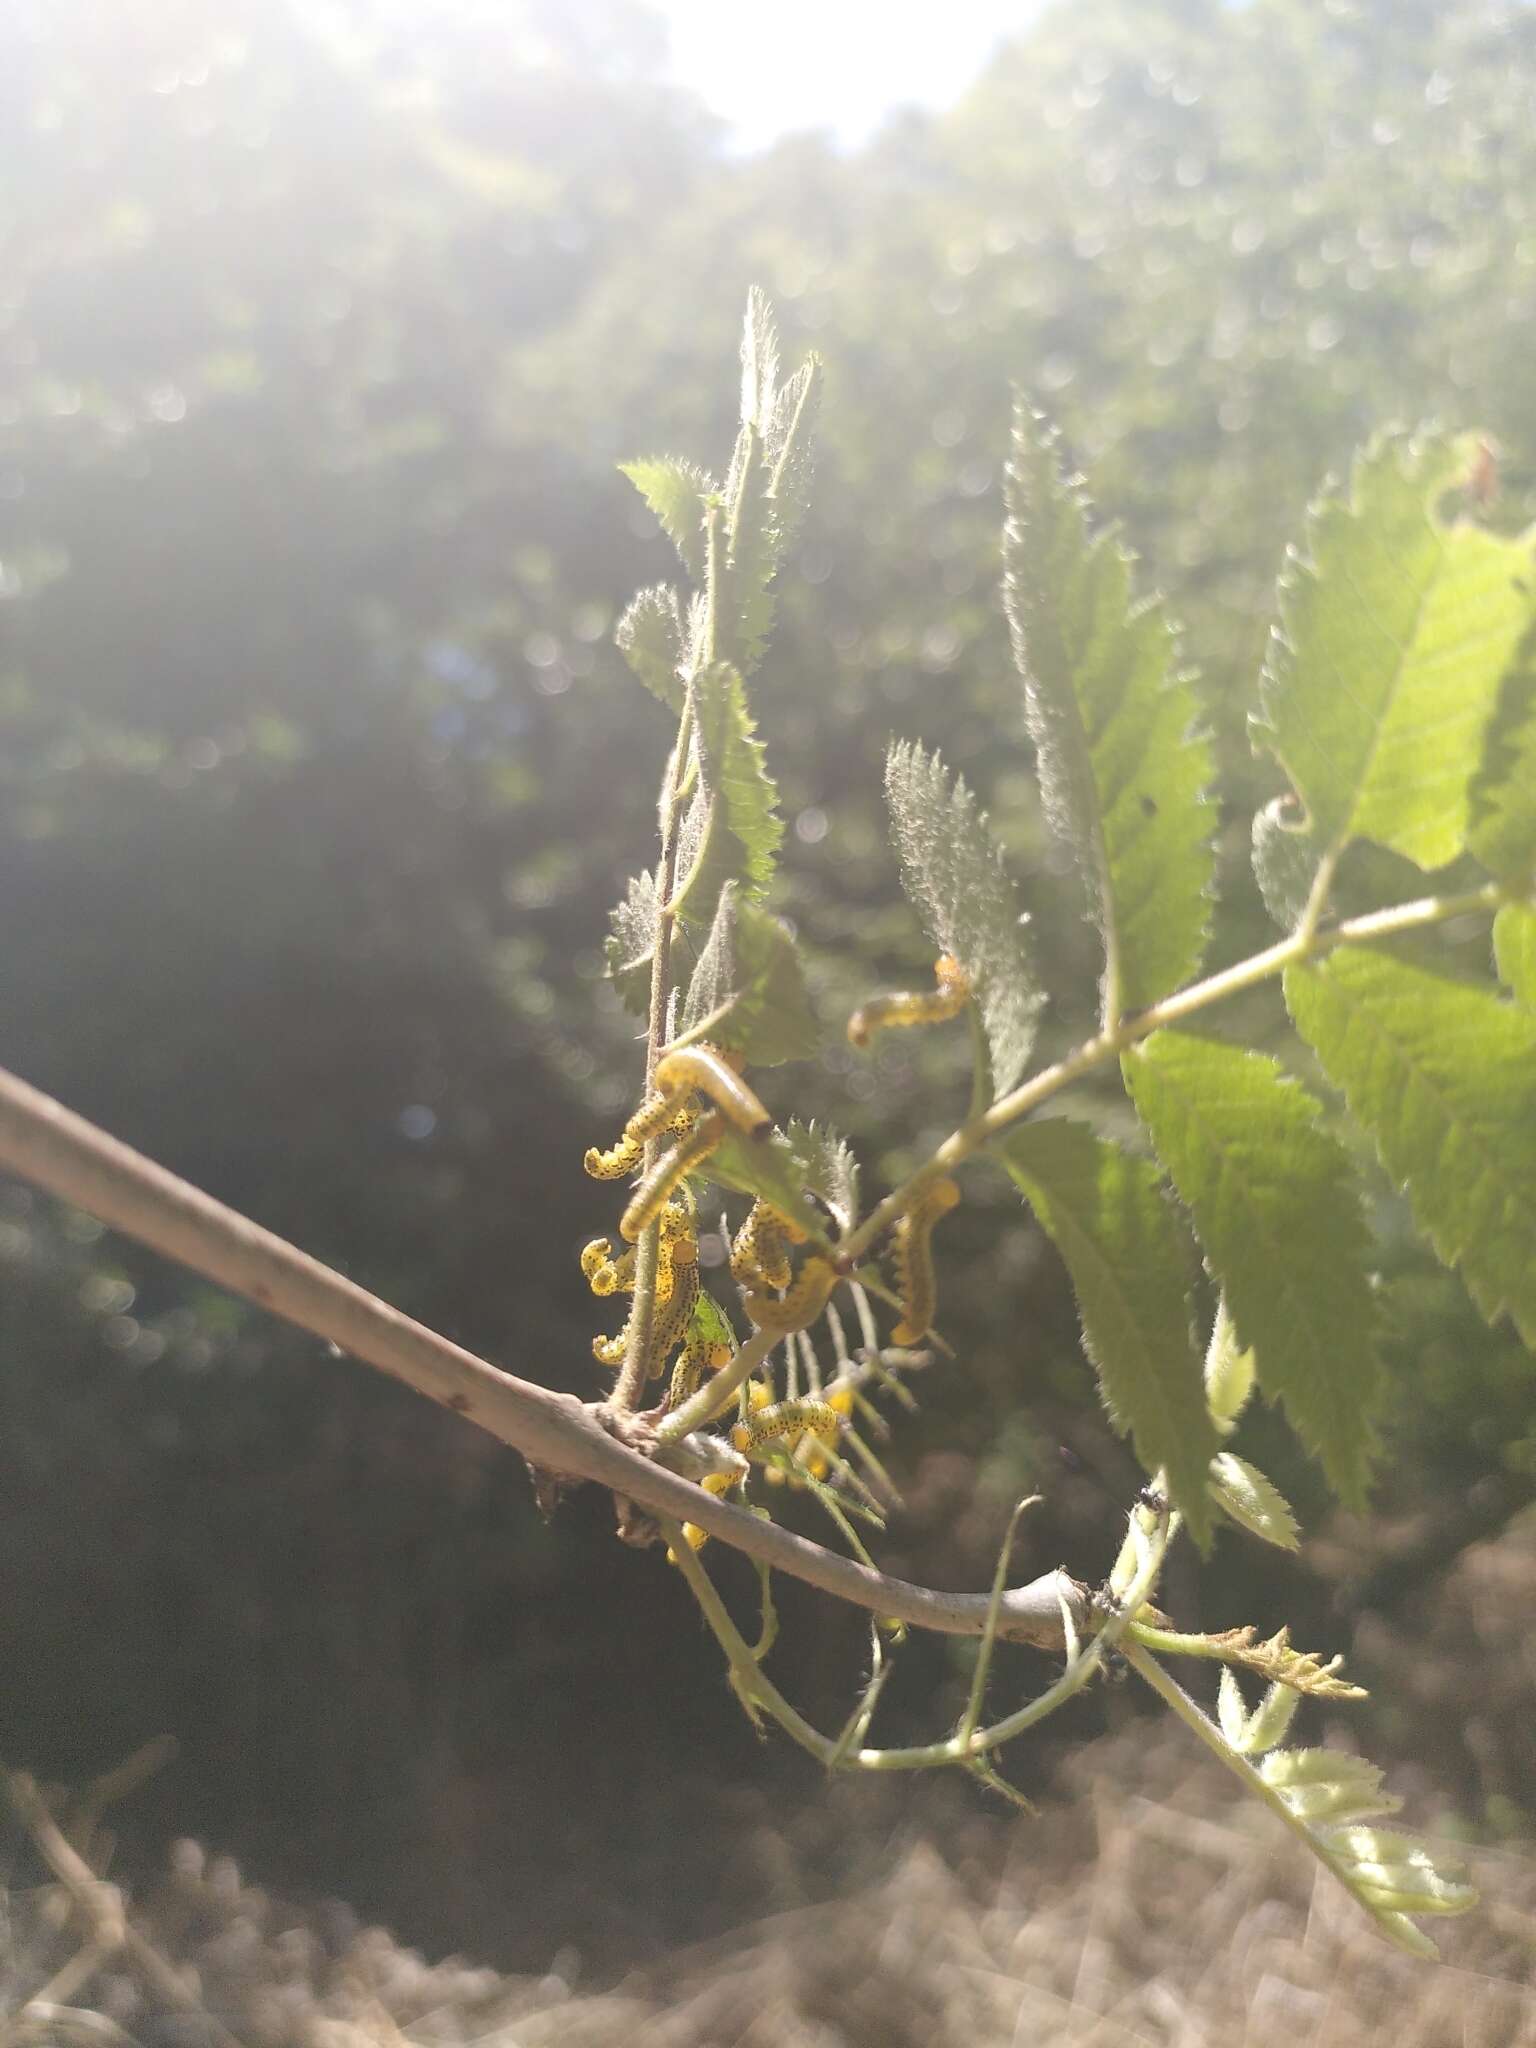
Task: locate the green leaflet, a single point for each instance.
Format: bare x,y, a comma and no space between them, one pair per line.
1443,1076
677,493
1395,632
1128,1260
1111,715
747,992
775,1168
631,943
1276,1204
731,831
828,1167
650,638
709,1324
952,870
766,489
1514,950
1242,1491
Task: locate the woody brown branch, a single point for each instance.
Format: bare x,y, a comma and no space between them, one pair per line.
48,1144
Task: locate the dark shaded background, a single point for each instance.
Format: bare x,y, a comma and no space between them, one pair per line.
320,335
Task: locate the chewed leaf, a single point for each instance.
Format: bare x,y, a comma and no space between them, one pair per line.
1443,1077
1120,1239
1276,1201
1112,716
731,831
1396,630
1242,1491
676,493
952,870
747,992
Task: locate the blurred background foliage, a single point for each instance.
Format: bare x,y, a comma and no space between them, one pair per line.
321,331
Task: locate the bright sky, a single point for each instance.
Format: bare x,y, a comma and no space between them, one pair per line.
835,64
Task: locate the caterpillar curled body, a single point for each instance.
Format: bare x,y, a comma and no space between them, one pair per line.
787,1423
914,1261
760,1255
669,1323
804,1302
908,1007
659,1114
685,1157
700,1069
616,1162
697,1357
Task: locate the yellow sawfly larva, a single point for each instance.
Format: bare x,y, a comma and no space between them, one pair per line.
700,1069
697,1357
804,1302
669,1324
760,1255
611,1350
651,1196
616,1162
914,1261
908,1007
787,1423
658,1115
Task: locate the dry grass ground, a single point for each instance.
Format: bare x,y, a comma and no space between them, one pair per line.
1147,1905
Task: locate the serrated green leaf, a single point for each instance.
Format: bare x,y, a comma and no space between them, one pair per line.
1112,717
1241,1491
828,1169
1128,1261
1443,1077
1396,629
677,493
1270,1720
747,992
1229,1372
759,360
769,1167
632,943
952,870
1503,834
1327,1785
1396,1862
650,638
731,831
1514,950
1276,1206
789,444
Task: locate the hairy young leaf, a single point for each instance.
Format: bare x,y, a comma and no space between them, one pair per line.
828,1169
1256,1503
1443,1076
1514,950
1503,834
676,493
632,943
731,831
759,361
952,870
650,638
1395,631
1277,1208
747,992
1251,1734
1111,715
1327,1784
1229,1372
1128,1261
1276,1660
789,442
